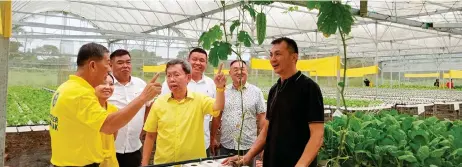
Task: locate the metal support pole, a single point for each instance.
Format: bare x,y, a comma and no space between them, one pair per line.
316,53
4,45
376,62
450,60
391,67
399,70
143,56
168,45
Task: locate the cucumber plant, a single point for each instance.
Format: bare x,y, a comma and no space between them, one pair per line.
219,41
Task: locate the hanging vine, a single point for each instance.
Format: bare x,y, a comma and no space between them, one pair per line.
333,16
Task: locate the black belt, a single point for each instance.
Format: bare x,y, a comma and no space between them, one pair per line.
91,165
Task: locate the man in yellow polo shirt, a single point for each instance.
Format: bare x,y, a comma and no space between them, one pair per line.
76,116
176,119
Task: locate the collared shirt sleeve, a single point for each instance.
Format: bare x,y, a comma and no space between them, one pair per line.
207,105
90,111
315,105
153,120
260,106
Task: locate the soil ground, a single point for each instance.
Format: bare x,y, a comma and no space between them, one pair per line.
28,149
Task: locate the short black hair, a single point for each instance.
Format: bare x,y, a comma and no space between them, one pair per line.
235,61
199,50
90,51
184,64
119,52
113,79
291,44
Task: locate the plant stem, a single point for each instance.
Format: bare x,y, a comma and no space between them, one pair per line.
344,132
344,68
224,23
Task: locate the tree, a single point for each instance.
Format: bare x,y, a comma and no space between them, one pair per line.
46,49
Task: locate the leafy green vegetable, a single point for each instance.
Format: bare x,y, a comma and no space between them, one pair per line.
392,139
27,105
261,27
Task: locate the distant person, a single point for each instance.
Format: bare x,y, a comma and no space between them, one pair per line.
295,113
450,84
175,122
367,82
103,92
437,83
77,117
126,88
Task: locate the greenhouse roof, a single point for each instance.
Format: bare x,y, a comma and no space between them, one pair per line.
400,25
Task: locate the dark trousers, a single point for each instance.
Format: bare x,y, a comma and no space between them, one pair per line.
129,159
225,151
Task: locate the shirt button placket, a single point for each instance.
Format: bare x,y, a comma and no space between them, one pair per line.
128,129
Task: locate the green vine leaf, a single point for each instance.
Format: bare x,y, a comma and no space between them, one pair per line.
261,27
333,16
245,38
251,10
219,51
207,38
260,2
313,4
233,26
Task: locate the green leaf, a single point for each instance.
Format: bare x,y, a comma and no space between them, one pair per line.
245,38
251,11
409,158
261,2
341,84
261,27
313,4
219,51
333,16
423,153
355,124
209,37
233,26
457,152
438,153
407,123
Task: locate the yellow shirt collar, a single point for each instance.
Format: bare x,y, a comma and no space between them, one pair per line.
81,81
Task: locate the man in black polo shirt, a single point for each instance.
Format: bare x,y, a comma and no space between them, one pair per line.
295,114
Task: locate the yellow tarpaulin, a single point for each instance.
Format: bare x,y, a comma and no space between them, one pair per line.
446,75
158,68
323,66
455,73
6,22
225,72
424,75
360,72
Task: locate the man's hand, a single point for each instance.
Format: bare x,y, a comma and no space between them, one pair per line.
220,79
236,160
214,145
152,89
